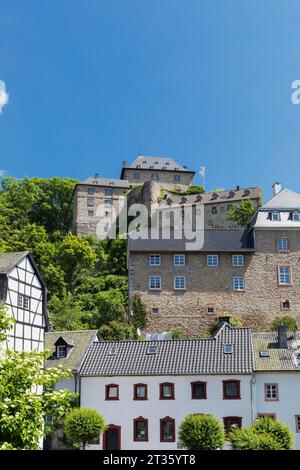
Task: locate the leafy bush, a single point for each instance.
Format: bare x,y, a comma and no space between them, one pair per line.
177,334
279,431
117,331
201,432
248,439
289,322
140,317
242,212
83,424
194,189
235,322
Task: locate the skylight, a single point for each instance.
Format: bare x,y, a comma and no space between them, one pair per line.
228,349
152,350
113,351
264,353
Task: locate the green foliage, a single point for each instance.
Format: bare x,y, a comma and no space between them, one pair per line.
264,434
6,322
117,331
66,313
194,189
201,432
84,424
242,212
22,409
177,334
235,322
140,317
289,322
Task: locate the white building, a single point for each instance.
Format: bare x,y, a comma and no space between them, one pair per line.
23,291
146,388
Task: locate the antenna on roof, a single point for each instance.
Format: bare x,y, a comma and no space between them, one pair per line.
138,150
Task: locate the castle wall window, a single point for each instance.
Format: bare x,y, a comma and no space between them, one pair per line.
140,429
283,244
136,176
167,429
231,390
210,310
285,305
214,210
177,178
154,282
155,311
271,392
90,201
91,191
107,203
91,213
179,283
284,275
237,260
155,177
198,390
212,260
179,260
238,283
154,260
108,192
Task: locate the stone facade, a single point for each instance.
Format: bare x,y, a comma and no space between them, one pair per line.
166,178
212,287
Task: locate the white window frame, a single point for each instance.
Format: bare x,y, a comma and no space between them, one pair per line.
20,301
91,191
279,244
155,277
90,213
273,218
108,203
184,282
284,283
90,202
108,192
178,256
234,286
273,388
212,257
154,256
63,348
297,219
237,258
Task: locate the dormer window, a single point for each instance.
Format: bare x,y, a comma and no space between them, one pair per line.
231,194
275,216
62,348
296,216
246,193
61,351
138,166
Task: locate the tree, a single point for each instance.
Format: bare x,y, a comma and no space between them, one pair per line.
117,331
140,317
242,212
279,431
84,424
201,432
22,405
66,313
289,322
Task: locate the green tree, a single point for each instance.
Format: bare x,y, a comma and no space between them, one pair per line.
83,424
201,432
289,322
22,408
242,212
117,331
66,313
279,431
140,317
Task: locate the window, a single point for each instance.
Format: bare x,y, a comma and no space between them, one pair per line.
155,177
27,303
90,201
297,417
177,178
154,260
266,415
154,282
271,392
210,310
284,275
238,283
91,190
136,176
112,392
212,260
166,391
152,349
228,349
167,429
179,260
232,422
20,300
107,203
140,429
108,191
198,390
296,216
285,305
283,244
154,311
275,215
214,210
237,260
91,213
298,360
61,351
140,392
179,283
94,442
231,390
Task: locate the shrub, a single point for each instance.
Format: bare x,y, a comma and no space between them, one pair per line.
83,424
289,322
235,322
177,334
201,432
279,431
140,317
248,439
117,331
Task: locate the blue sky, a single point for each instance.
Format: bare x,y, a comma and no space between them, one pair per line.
205,82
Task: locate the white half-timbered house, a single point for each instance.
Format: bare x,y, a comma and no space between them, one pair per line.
23,292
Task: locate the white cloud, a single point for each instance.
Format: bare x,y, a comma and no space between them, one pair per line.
4,97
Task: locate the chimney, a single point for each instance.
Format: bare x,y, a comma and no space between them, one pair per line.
224,320
97,175
282,337
276,188
124,163
238,188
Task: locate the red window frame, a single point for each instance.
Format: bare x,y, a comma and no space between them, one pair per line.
138,420
237,418
167,419
238,382
198,382
161,387
107,397
135,386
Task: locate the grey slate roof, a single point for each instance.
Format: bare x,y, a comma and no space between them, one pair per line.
106,182
215,240
285,199
279,359
81,341
158,163
9,260
173,357
230,196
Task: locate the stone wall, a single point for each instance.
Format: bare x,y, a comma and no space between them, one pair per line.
166,178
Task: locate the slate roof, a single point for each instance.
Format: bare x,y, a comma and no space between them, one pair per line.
173,357
106,182
80,339
9,260
158,163
285,199
215,240
279,359
230,195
